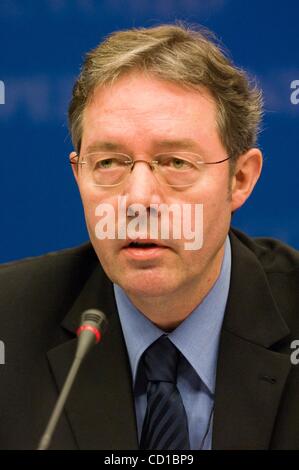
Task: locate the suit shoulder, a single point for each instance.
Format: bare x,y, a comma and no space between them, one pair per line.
79,250
274,255
66,264
48,283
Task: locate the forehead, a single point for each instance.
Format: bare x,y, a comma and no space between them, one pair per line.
143,106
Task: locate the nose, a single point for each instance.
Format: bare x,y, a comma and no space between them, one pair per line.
142,186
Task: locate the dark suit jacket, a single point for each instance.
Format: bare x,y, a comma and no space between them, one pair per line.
257,387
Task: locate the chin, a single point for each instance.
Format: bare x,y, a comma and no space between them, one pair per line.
146,286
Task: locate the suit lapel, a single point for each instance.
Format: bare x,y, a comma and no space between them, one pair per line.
250,377
100,408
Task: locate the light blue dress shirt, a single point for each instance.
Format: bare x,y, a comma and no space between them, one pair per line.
197,338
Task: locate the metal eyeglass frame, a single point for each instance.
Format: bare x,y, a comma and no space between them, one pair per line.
153,164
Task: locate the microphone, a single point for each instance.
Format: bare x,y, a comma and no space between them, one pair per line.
93,325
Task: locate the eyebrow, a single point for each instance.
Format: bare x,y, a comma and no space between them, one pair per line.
177,144
102,145
166,144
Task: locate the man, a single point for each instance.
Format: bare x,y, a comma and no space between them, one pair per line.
160,118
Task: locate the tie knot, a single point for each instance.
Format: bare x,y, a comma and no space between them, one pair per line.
161,360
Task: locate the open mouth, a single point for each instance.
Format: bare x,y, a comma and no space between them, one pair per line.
144,250
143,245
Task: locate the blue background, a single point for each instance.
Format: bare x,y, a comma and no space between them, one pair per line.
42,44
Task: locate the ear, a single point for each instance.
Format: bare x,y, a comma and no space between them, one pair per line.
74,166
247,172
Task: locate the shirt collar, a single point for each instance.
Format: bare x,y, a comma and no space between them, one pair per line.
197,337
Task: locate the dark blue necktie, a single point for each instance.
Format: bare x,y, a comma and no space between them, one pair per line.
165,424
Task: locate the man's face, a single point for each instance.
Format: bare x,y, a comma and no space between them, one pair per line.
142,116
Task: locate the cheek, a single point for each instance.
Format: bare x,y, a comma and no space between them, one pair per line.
91,199
215,191
216,207
212,197
89,206
90,203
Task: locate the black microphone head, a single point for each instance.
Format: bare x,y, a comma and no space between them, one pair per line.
96,318
93,321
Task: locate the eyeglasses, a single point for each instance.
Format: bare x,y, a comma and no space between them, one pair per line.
109,169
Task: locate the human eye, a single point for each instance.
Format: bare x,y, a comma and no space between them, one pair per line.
175,162
106,163
102,162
